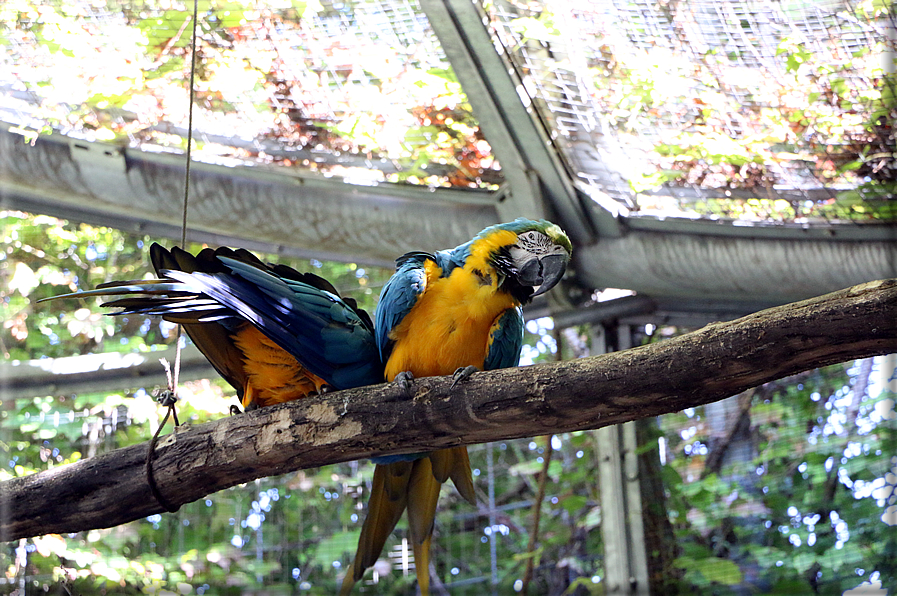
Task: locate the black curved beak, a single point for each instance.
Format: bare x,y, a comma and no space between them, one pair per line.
543,273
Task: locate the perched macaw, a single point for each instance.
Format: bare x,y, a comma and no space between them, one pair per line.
450,312
276,335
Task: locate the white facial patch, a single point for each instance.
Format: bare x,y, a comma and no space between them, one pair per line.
533,244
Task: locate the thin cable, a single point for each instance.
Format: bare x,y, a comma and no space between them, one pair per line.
190,124
169,398
177,353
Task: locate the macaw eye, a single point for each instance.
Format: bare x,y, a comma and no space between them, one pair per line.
535,243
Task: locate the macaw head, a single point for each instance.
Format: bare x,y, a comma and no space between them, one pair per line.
531,256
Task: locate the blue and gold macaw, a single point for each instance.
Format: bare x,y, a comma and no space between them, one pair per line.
450,312
276,335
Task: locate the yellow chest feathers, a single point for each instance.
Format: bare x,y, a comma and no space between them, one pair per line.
450,324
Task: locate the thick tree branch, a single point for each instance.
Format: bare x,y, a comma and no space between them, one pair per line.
708,365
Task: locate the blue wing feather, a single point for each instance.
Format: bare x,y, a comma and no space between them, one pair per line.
320,330
327,334
505,340
398,297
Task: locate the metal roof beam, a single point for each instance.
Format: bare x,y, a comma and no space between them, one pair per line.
712,261
273,211
539,183
96,373
278,212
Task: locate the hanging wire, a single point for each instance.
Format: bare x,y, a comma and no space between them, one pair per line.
177,354
168,398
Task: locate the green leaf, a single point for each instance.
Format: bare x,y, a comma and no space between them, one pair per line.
839,86
652,181
789,586
335,546
534,467
592,519
444,73
573,503
161,30
713,569
803,561
539,29
535,555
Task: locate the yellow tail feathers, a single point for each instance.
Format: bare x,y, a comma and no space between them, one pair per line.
455,464
415,486
461,475
423,493
389,496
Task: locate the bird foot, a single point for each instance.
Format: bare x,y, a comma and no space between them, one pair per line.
462,374
404,380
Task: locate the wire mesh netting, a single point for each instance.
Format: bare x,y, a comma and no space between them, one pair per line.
357,90
715,107
789,488
690,102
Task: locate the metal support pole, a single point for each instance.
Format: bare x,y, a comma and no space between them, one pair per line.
622,528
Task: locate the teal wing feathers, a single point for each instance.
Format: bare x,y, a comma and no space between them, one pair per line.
301,312
399,296
505,340
317,327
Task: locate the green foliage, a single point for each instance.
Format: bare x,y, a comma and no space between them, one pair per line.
45,257
280,72
809,509
707,570
795,54
810,115
167,27
540,29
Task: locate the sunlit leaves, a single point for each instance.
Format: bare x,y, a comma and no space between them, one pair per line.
539,29
771,109
794,53
812,501
705,570
291,76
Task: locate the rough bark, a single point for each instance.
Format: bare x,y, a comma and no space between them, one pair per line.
708,365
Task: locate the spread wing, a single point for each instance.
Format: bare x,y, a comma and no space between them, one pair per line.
217,291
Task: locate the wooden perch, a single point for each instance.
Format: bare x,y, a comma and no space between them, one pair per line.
713,363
